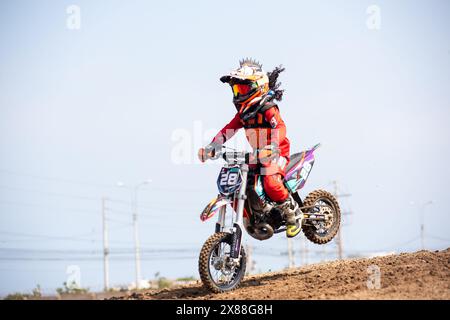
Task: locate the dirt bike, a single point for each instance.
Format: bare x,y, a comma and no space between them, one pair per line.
222,260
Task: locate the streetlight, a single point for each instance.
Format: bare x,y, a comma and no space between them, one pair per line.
137,250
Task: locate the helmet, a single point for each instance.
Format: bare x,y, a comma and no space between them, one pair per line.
249,84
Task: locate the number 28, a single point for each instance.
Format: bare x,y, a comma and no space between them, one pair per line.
230,179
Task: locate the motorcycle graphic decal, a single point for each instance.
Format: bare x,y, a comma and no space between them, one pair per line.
296,176
229,180
213,207
259,187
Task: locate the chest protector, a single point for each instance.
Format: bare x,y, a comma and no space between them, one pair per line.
256,118
258,130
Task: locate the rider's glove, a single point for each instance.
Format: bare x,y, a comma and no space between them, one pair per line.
211,151
268,153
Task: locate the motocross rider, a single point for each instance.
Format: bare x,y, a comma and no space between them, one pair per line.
253,94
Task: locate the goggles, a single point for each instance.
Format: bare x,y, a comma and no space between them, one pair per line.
242,89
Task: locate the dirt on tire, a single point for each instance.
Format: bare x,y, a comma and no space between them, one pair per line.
203,262
419,275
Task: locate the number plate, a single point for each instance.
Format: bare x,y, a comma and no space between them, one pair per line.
229,180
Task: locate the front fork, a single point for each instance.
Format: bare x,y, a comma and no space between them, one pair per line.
236,231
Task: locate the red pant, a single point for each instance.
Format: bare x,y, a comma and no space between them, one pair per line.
274,187
272,175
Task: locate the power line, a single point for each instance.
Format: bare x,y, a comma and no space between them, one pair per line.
47,236
99,258
124,223
63,180
437,238
84,211
129,250
34,205
93,184
80,197
56,194
100,252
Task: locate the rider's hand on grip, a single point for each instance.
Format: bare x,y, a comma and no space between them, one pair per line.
267,154
209,152
202,154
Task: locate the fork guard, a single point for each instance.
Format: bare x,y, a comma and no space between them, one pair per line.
214,206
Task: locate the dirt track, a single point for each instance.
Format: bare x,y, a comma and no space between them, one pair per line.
420,275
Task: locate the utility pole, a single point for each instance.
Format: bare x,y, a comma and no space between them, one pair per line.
250,261
137,248
305,243
290,253
134,209
324,253
340,245
422,223
339,235
301,251
105,246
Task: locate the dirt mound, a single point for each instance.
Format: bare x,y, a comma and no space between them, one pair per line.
420,275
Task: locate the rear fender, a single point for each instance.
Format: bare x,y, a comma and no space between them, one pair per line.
214,206
296,178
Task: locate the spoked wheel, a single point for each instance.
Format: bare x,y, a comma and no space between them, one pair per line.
324,204
218,271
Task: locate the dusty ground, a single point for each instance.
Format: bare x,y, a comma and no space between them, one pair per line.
420,275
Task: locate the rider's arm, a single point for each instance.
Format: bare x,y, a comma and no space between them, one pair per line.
278,127
228,131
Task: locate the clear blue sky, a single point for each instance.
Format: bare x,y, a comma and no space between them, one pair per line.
83,109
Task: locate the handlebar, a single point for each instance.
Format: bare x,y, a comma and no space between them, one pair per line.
236,157
241,157
231,157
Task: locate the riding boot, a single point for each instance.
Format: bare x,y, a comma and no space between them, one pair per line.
291,211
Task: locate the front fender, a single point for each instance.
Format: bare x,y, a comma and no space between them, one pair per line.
214,206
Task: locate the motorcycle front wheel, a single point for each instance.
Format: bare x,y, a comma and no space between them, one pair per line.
218,272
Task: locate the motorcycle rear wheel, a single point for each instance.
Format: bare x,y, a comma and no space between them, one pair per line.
324,198
220,241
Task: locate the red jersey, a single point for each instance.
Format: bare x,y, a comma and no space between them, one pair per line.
264,129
